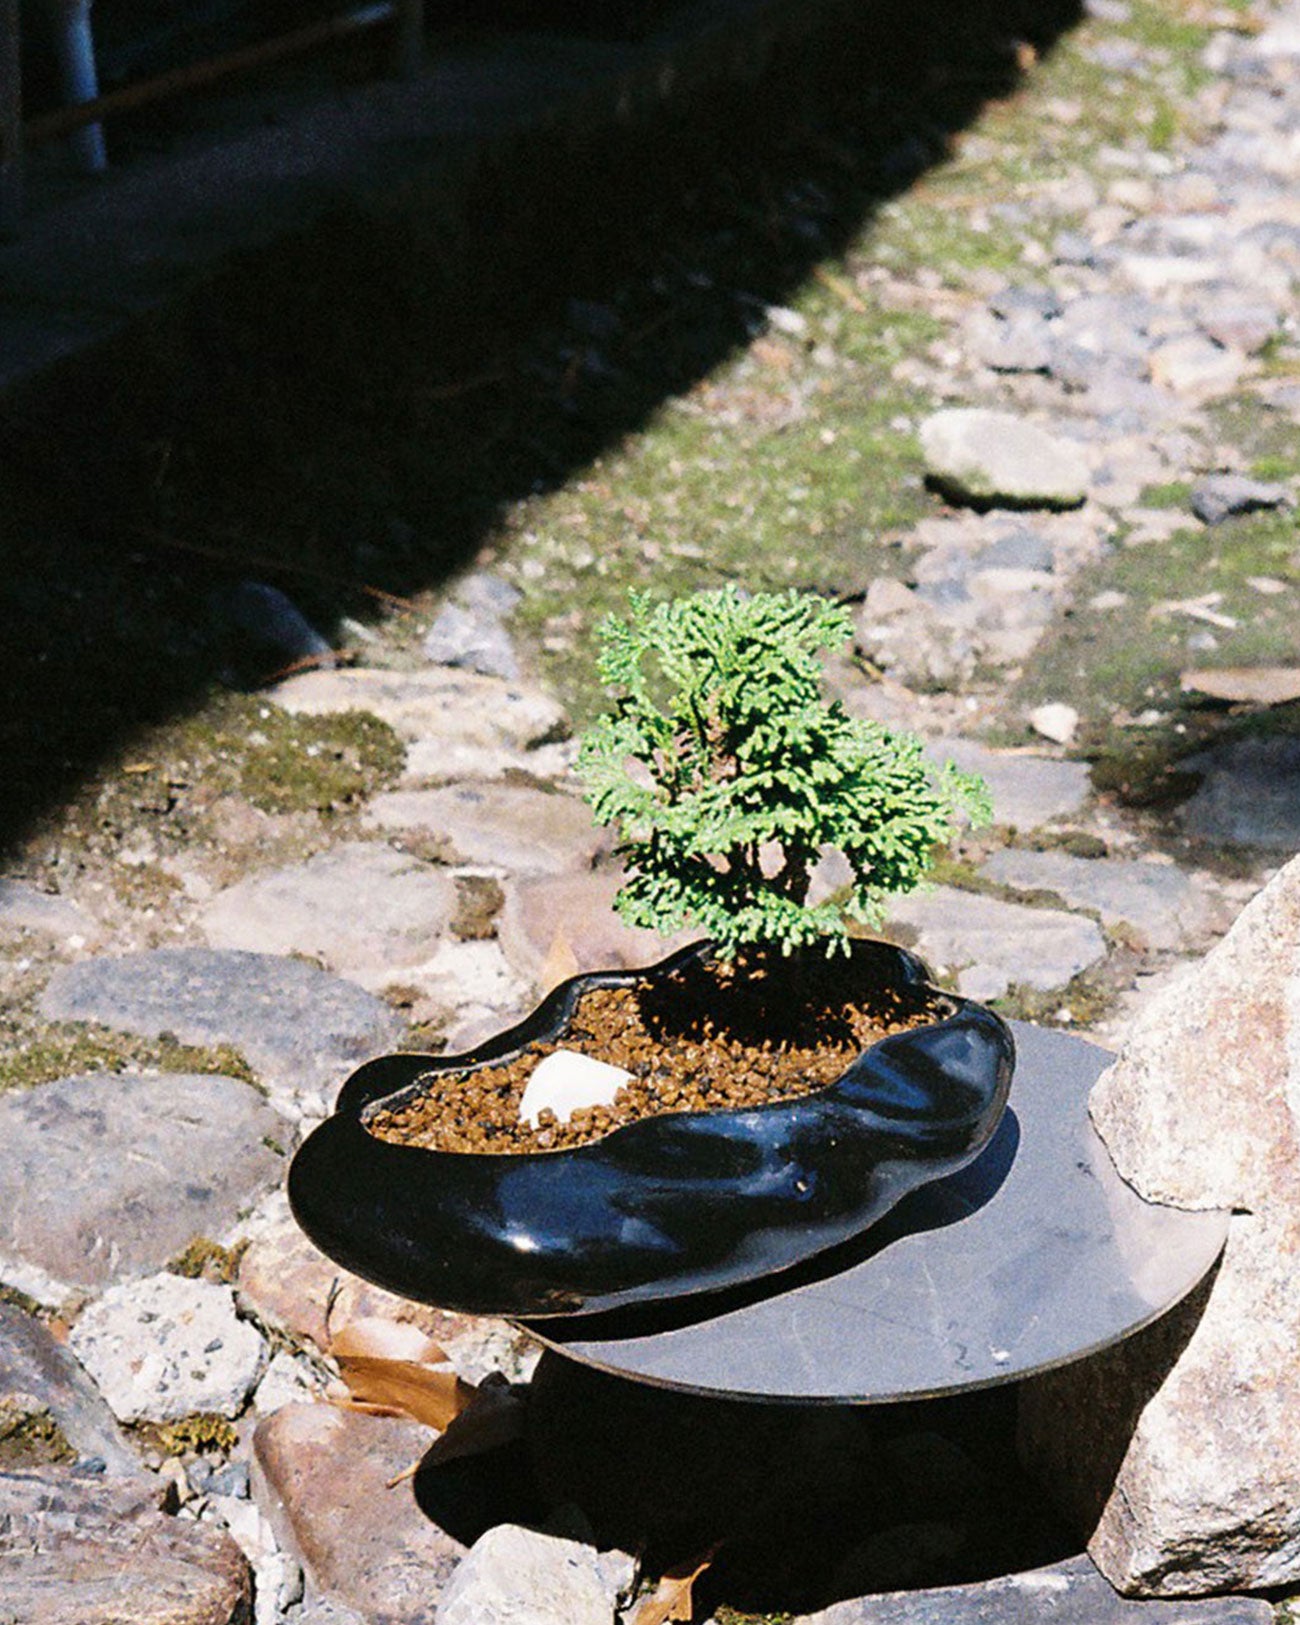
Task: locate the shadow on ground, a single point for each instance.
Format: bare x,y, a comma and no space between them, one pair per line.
346,416
801,1506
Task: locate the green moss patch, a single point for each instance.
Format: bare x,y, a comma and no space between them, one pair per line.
66,1050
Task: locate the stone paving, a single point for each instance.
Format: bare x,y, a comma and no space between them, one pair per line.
451,896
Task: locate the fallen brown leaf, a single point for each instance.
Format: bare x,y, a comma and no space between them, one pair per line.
672,1598
392,1369
1246,685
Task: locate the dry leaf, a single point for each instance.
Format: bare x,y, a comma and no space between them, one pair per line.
1247,685
560,963
1197,609
391,1368
672,1598
493,1417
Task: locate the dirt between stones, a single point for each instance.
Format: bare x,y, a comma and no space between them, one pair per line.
709,1037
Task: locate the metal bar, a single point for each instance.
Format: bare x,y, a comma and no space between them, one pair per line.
63,120
11,120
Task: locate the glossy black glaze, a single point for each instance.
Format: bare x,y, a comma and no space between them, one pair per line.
687,1202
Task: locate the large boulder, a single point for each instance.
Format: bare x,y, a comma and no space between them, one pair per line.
1181,1452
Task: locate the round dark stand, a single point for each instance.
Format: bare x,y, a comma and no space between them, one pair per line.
1035,1255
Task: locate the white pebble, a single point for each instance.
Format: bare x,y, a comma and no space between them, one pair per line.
565,1081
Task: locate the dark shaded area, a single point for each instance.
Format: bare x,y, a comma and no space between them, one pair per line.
345,417
805,1506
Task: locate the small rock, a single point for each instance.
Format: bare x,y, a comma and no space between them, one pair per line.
1220,496
110,1175
270,620
166,1347
359,907
82,1550
565,1081
299,1027
507,826
24,907
514,1576
1241,326
322,1477
1249,796
34,1366
1041,948
470,631
1196,368
435,761
1057,721
995,459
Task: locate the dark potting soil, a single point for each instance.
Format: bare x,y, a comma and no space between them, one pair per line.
708,1037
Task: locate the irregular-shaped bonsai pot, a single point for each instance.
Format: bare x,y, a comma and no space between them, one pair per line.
681,1203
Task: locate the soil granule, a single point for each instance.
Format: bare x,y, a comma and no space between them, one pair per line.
707,1037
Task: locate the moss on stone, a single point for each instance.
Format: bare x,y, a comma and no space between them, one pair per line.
71,1049
202,1432
30,1436
206,1260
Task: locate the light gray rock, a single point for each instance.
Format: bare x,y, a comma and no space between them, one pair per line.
166,1347
1157,900
1250,795
1028,791
40,1376
990,942
998,460
322,1476
456,707
1185,1458
360,907
514,1576
507,826
1220,496
470,632
85,1550
1067,1593
24,907
109,1175
301,1029
435,761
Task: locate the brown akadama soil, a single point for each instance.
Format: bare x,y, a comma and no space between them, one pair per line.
708,1037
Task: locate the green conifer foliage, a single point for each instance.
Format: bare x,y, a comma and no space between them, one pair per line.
729,773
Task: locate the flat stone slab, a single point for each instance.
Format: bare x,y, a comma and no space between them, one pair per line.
995,459
41,1374
24,907
1250,795
168,1347
458,708
506,826
80,1549
300,1028
1035,1255
1027,790
1157,900
994,945
359,907
1067,1593
108,1175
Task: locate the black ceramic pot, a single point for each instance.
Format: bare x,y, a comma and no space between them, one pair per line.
682,1203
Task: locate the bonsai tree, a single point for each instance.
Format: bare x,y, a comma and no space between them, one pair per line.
730,774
